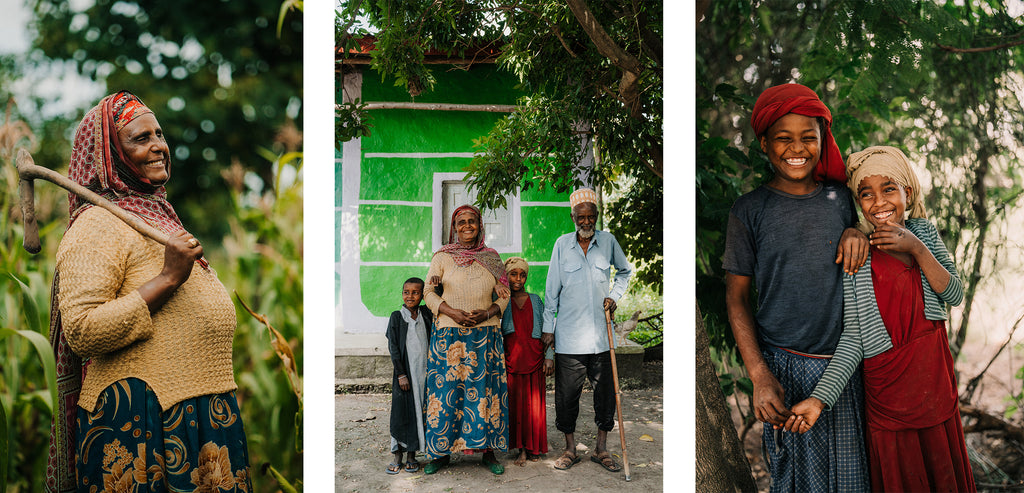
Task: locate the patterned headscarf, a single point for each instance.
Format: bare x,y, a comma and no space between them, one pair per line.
98,163
517,263
889,162
478,252
775,102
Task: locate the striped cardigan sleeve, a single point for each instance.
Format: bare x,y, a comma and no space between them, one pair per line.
954,293
849,352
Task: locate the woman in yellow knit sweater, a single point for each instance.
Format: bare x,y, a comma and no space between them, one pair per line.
156,409
467,390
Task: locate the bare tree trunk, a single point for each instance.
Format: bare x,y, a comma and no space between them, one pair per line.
721,463
972,278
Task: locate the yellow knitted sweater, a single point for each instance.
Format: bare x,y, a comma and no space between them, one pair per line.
181,351
465,288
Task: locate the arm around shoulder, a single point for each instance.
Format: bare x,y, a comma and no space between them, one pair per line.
430,296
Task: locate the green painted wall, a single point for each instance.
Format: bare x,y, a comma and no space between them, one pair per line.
407,178
427,131
541,227
402,233
381,287
394,233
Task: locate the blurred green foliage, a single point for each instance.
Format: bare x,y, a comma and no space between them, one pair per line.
222,78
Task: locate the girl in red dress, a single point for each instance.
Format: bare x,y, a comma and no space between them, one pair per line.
527,366
894,319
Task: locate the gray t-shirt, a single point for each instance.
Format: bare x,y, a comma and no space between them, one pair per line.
788,244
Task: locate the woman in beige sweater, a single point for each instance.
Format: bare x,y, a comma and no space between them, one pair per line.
467,390
156,409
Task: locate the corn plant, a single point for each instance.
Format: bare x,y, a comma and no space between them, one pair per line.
263,266
27,367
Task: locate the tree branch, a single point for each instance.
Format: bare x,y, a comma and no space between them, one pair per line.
987,422
954,49
551,25
972,384
399,105
631,67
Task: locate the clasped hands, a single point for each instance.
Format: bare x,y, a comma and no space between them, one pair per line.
769,408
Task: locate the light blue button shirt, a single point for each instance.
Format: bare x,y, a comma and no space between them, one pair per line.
576,288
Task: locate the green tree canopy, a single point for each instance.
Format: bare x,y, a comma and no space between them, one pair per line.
592,74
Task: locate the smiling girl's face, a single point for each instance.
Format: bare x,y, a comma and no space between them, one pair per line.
883,200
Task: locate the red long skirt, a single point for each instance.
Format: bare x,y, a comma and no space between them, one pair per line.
915,439
527,423
528,413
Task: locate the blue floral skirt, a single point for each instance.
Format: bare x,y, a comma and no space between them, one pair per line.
129,444
467,391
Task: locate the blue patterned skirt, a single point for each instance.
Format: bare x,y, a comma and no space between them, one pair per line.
129,444
831,456
467,391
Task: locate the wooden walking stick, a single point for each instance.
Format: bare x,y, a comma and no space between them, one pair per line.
618,400
29,171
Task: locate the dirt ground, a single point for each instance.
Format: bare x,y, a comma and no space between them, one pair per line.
362,452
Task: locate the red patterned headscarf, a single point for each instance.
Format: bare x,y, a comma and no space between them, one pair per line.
479,252
99,164
775,102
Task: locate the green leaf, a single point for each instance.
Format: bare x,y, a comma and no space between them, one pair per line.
45,352
3,447
28,304
745,385
727,383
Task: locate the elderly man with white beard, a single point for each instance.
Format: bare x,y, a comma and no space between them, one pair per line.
577,293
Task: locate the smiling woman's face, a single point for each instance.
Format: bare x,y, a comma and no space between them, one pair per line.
143,143
467,226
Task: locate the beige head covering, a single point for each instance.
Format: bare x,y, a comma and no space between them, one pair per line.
889,162
582,195
517,263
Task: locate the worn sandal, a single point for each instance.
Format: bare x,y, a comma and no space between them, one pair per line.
606,461
393,468
566,461
412,466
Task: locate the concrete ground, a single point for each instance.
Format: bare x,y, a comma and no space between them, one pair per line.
362,452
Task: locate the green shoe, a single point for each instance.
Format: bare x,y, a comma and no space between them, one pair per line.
436,464
494,466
